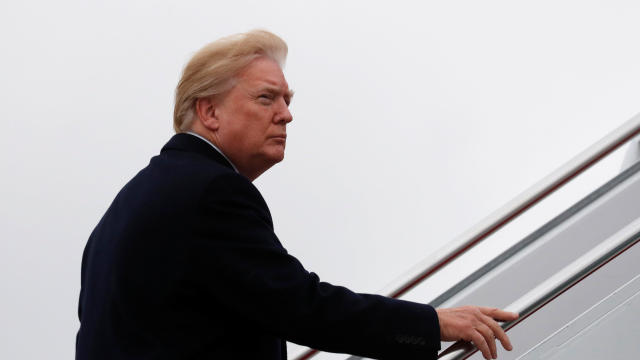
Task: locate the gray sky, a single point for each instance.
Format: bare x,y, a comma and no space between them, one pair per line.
412,121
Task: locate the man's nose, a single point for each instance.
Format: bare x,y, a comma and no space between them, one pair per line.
283,114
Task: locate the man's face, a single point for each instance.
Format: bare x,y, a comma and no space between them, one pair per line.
253,116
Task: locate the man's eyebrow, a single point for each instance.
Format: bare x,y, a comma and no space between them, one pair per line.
276,90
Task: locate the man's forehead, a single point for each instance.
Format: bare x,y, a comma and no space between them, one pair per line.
270,85
264,74
271,82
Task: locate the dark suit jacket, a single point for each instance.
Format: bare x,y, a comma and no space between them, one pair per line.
185,265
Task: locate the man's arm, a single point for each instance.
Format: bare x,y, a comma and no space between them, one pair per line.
251,274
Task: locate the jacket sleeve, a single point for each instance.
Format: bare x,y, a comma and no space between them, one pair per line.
249,272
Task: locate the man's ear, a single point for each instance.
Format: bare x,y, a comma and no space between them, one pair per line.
206,112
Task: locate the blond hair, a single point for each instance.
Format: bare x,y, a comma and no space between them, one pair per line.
211,71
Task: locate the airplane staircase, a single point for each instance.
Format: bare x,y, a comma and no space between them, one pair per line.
573,274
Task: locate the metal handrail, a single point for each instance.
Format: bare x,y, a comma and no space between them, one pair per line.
508,212
559,283
552,224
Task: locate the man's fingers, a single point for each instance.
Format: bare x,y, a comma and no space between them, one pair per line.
498,332
497,314
481,344
487,333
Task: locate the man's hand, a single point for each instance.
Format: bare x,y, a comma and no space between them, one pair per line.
477,324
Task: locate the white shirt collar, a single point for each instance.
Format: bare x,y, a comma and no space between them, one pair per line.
215,147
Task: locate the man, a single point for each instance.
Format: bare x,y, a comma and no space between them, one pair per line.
185,264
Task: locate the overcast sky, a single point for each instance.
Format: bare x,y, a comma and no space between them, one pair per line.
412,122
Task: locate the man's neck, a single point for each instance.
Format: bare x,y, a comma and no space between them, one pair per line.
191,132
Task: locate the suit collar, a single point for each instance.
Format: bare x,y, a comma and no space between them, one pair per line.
215,147
191,143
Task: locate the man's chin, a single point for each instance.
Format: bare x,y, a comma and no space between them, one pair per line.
278,157
272,158
276,154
